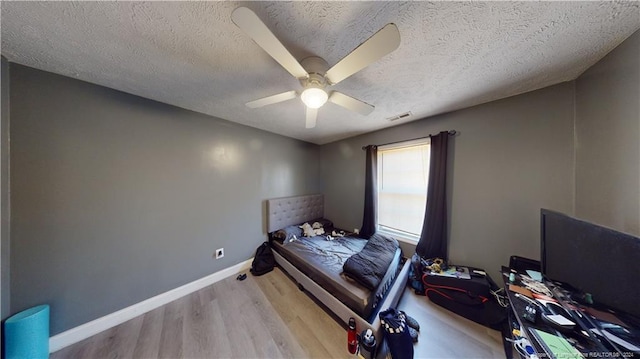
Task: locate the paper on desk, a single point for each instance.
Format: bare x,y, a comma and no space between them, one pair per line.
535,275
616,339
605,317
558,346
543,297
521,290
560,320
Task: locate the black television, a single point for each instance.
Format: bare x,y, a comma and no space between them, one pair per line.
592,259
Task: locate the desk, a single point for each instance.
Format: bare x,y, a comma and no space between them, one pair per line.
584,337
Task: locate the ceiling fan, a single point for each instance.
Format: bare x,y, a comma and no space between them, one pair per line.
313,72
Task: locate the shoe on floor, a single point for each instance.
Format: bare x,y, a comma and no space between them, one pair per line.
414,334
411,322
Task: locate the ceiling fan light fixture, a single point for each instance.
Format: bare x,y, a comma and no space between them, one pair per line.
314,97
313,72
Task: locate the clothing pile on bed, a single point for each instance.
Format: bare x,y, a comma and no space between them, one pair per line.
313,228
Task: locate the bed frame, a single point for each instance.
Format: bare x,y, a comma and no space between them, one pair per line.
282,212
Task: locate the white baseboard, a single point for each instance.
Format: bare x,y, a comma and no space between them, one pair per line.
96,326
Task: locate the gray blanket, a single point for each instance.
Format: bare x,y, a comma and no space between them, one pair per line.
369,266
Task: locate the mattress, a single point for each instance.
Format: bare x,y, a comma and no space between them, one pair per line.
322,260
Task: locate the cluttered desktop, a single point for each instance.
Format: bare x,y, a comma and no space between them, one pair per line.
567,307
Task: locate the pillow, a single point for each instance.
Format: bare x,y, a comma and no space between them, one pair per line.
288,234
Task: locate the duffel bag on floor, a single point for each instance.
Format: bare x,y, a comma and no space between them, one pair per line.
470,298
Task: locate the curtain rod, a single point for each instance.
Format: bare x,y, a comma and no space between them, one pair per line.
451,133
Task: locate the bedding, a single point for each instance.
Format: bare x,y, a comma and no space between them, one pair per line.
322,260
369,266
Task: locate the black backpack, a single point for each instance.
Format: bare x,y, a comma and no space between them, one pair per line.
264,261
416,270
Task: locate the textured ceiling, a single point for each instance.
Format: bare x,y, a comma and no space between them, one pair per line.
189,54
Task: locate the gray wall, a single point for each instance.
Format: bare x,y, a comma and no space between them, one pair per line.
4,193
511,158
116,198
608,140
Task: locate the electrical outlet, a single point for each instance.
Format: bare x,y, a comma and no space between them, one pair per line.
219,253
356,231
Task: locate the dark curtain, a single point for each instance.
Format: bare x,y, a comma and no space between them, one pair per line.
370,219
433,240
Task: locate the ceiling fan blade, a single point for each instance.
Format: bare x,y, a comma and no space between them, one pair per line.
377,46
312,115
251,24
351,103
272,99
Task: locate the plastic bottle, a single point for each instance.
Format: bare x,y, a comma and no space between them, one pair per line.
367,345
352,337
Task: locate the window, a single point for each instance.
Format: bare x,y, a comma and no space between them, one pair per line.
403,176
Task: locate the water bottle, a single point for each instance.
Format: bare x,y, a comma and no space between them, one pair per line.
352,337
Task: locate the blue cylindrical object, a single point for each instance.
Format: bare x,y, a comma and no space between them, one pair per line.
27,334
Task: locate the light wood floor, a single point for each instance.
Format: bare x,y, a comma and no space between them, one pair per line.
268,317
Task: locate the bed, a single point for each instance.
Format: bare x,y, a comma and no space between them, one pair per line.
316,263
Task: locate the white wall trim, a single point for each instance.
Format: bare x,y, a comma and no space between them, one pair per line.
96,326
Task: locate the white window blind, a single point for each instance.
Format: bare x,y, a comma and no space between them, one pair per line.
403,175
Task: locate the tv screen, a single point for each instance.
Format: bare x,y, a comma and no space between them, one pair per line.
592,259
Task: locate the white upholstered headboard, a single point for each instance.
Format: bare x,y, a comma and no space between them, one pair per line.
288,211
